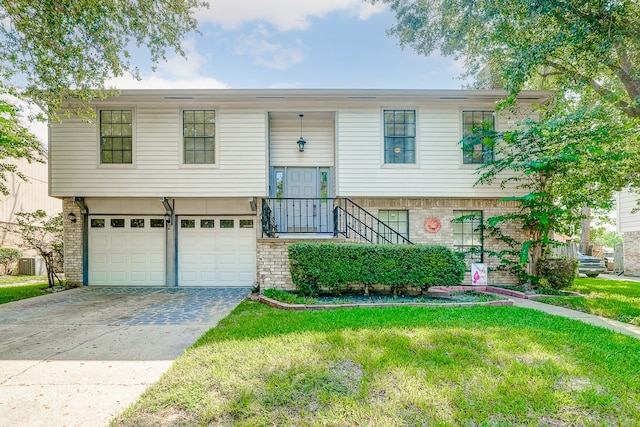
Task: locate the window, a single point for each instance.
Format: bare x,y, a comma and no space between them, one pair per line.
226,223
187,223
198,132
207,223
246,223
397,220
117,222
137,223
156,223
467,234
97,222
399,136
476,127
116,136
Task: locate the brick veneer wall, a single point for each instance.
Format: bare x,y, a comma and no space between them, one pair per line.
273,261
631,253
72,244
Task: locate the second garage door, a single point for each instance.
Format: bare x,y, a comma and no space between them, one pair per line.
215,251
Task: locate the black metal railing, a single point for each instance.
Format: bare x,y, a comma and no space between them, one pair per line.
325,216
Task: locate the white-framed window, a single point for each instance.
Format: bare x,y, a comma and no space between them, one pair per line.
199,136
477,126
397,220
467,235
399,136
116,136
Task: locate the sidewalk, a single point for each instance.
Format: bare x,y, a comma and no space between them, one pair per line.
614,325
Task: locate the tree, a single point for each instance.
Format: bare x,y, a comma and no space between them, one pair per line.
559,164
592,45
52,49
45,235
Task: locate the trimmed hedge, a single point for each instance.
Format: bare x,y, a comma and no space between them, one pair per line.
332,267
557,273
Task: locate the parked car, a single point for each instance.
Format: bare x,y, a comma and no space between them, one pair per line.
590,265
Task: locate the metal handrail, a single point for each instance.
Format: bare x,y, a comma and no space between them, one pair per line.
295,215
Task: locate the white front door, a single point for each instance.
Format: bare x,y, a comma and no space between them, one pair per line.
127,250
216,251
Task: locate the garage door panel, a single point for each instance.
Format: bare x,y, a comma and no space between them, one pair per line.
224,256
127,255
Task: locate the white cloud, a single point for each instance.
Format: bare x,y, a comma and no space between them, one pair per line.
271,55
285,15
176,73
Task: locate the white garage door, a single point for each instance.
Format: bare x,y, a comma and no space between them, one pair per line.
216,251
127,251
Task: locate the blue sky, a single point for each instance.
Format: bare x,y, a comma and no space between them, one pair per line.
296,44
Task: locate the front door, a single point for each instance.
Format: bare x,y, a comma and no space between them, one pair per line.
302,190
299,206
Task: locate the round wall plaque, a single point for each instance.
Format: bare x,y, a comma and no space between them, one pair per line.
432,224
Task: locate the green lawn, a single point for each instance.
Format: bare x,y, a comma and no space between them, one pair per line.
9,280
404,366
614,299
15,293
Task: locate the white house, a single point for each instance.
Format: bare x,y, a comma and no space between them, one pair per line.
208,187
628,223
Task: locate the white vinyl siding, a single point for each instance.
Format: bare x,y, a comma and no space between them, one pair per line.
285,132
628,221
439,171
158,170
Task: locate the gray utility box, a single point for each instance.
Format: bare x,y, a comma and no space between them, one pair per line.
31,267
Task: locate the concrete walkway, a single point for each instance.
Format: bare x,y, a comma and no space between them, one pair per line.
614,325
79,357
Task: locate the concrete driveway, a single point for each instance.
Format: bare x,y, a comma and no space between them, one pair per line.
78,357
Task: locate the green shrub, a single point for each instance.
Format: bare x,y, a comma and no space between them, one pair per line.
8,258
557,273
331,267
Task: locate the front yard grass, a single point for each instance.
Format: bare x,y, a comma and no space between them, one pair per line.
614,299
401,366
16,293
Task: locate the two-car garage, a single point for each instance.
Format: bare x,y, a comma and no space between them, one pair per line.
148,250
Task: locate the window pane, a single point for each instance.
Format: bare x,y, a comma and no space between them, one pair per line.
156,223
207,223
97,222
114,124
187,223
199,133
117,222
137,223
246,223
475,126
226,223
400,131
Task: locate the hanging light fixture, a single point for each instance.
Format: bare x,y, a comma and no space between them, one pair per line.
301,141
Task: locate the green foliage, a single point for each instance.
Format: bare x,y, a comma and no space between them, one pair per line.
72,48
557,165
317,267
45,235
16,142
557,273
603,237
16,293
570,44
8,258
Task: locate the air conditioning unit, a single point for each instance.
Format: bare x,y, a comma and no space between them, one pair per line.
31,267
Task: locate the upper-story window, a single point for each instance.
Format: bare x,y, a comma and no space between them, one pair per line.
476,126
399,136
116,136
198,132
